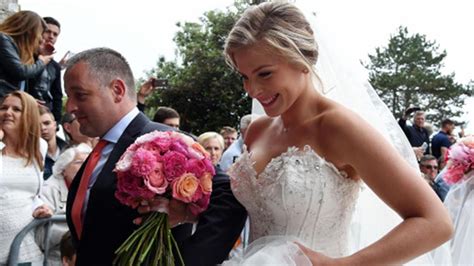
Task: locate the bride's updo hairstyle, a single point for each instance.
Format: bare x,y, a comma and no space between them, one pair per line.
281,27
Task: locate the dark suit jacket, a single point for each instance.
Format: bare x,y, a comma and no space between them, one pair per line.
108,223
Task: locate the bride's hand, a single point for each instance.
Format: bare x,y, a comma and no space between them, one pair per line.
317,258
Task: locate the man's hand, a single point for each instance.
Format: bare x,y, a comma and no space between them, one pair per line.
177,211
45,58
410,110
419,151
145,90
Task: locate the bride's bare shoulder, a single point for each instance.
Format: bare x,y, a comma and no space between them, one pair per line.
256,128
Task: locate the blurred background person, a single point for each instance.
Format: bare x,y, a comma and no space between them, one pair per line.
55,144
213,142
235,149
416,133
73,134
429,167
46,86
68,253
20,37
229,134
441,141
21,174
54,193
167,116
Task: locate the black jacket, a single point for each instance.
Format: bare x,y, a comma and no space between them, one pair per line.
12,70
47,87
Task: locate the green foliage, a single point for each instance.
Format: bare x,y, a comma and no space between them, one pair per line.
408,73
205,91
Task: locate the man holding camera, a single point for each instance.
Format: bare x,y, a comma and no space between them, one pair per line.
417,134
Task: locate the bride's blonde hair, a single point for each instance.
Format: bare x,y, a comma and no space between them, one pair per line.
283,29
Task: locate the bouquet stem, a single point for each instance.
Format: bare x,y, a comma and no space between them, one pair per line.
151,242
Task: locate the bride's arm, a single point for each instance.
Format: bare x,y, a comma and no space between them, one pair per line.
351,142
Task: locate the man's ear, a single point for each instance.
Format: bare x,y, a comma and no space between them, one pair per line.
119,89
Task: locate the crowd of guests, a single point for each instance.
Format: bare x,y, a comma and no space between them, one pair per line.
430,148
39,165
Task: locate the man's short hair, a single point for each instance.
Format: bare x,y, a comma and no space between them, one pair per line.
426,158
66,247
418,113
446,122
163,113
227,130
50,20
45,110
105,65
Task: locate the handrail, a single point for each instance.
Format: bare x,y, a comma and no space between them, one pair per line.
15,245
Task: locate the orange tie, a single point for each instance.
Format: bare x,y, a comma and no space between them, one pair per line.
76,212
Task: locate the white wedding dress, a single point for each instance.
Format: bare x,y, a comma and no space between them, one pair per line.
298,197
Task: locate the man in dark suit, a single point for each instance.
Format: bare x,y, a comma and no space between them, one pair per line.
100,88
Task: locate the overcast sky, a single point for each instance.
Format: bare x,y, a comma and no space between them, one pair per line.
142,30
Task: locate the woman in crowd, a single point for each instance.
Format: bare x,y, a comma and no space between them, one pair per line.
20,39
22,160
55,192
213,142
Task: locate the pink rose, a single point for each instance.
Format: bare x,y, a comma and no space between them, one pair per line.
163,144
174,165
131,189
210,167
143,162
197,167
125,162
179,146
156,180
185,188
206,183
200,205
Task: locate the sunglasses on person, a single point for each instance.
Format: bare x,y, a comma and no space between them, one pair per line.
430,167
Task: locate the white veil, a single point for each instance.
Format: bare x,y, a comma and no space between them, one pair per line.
346,81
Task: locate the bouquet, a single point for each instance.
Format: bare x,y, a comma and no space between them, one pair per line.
165,164
460,160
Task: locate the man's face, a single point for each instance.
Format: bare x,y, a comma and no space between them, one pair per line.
229,138
50,35
420,120
429,168
48,127
450,128
95,107
172,122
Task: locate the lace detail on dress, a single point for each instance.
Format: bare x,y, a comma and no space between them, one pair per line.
297,194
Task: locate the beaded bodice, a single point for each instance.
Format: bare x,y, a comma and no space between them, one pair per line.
298,194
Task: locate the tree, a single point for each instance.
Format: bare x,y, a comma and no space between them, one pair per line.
205,91
408,73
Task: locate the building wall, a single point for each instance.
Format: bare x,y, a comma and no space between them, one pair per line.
7,7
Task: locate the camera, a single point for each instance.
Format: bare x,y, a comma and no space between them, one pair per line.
162,83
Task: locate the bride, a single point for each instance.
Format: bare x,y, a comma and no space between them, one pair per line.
305,162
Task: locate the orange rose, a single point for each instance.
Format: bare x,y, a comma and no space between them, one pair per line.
206,183
185,187
200,149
